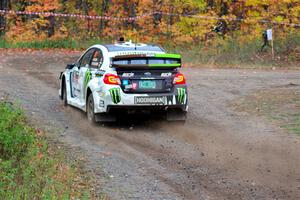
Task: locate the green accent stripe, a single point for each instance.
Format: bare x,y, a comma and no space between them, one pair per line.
181,96
119,95
165,65
111,95
115,95
168,55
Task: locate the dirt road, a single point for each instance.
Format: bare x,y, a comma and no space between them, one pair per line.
218,154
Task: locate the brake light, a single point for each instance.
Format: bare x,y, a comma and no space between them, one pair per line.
111,79
179,79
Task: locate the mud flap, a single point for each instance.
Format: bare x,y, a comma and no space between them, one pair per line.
105,117
175,115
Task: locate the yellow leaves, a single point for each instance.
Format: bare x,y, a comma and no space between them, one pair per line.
254,13
43,5
195,4
256,2
278,19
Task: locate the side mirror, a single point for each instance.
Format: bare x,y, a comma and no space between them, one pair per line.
70,66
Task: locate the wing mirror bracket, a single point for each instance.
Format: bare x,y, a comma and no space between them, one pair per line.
70,66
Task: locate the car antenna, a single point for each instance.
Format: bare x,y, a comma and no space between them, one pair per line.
135,39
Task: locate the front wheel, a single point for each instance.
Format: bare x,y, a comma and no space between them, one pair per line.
90,109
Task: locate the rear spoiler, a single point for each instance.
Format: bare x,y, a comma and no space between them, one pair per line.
163,61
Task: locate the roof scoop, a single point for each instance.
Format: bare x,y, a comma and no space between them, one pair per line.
130,44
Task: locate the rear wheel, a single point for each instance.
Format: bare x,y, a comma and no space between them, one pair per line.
90,109
65,100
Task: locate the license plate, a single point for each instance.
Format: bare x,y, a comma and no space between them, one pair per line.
147,84
150,100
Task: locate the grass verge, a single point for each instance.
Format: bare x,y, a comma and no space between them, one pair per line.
279,105
30,168
66,43
232,53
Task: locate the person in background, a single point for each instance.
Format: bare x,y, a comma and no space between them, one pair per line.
266,41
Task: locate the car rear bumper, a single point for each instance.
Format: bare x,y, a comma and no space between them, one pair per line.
117,100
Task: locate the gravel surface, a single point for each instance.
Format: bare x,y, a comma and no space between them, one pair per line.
218,153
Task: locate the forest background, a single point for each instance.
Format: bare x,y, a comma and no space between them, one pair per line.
210,32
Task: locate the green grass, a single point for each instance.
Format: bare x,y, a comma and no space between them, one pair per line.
29,167
294,125
280,106
66,43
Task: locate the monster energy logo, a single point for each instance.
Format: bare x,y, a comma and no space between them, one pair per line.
87,77
115,95
181,94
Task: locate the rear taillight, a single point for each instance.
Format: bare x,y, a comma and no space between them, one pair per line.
179,79
111,79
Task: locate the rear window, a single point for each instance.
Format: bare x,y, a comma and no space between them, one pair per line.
138,61
156,61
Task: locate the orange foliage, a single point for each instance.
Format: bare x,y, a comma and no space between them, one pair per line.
241,17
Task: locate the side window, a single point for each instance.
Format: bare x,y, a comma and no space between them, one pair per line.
97,59
86,59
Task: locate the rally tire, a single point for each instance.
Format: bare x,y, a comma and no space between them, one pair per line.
90,109
65,96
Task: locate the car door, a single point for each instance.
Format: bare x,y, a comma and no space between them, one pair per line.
94,65
79,74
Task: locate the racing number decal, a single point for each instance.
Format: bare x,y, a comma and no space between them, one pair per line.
87,77
181,95
115,95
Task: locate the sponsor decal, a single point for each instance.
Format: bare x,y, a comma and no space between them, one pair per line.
128,74
101,94
134,86
128,86
150,100
101,103
125,82
166,74
87,77
181,93
115,95
99,73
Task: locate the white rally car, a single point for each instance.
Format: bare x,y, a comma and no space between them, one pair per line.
109,80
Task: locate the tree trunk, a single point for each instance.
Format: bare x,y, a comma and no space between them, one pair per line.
85,8
3,6
210,3
51,26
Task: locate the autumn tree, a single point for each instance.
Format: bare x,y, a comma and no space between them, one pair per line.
171,21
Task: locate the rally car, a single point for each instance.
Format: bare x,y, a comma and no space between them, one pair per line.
110,80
